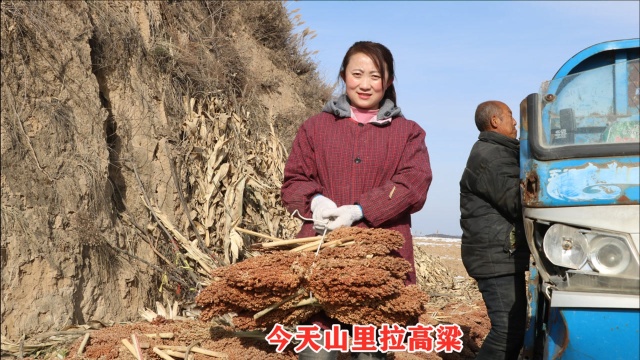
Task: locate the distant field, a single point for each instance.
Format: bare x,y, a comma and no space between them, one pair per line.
446,248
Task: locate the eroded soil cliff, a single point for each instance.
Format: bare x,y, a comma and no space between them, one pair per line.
134,136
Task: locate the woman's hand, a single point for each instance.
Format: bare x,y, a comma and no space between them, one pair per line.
320,206
343,216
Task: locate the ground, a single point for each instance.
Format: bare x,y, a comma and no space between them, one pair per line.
466,311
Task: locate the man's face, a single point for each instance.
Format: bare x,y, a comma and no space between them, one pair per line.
506,124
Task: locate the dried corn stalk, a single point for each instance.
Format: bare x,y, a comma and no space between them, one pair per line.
435,278
234,179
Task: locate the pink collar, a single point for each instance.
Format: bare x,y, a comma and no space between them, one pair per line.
363,116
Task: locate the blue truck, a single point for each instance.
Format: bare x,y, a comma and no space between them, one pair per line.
581,206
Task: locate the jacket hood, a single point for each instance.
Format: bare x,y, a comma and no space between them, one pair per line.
341,107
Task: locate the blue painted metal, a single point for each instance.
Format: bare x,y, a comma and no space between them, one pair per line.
579,334
574,63
528,349
621,84
596,102
584,182
602,113
558,337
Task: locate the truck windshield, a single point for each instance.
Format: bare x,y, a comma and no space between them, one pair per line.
591,108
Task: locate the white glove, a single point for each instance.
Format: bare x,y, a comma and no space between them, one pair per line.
343,216
320,205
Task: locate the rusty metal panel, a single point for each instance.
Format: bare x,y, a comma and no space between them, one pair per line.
582,182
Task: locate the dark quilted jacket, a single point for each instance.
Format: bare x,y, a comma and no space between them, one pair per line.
490,209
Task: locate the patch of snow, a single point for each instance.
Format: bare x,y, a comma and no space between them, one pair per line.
435,241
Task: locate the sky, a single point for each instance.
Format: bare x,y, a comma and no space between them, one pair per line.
451,56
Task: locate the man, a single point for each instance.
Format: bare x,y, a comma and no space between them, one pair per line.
494,251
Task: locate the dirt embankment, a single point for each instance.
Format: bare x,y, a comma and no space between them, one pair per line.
131,130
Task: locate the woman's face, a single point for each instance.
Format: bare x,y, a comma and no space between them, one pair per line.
364,83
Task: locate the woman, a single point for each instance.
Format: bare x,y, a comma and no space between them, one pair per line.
360,162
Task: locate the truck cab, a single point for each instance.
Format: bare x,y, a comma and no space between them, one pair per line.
580,191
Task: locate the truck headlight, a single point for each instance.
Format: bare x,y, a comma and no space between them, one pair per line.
609,255
590,251
590,260
565,246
